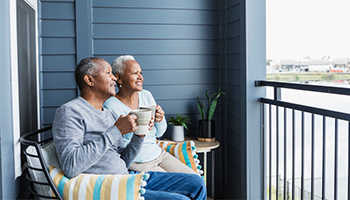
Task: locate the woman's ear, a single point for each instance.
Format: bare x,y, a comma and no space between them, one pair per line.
119,79
89,80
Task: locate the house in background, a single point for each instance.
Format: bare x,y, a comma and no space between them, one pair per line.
184,48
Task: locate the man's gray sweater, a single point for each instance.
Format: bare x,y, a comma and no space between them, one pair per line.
87,141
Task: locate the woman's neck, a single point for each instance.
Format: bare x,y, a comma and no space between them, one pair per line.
130,99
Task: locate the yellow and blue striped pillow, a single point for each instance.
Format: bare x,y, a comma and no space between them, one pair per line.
184,151
93,186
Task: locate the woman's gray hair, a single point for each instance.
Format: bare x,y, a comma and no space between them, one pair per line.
118,64
86,66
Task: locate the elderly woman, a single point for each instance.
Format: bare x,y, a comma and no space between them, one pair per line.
131,96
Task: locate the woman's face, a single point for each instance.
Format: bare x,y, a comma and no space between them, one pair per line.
132,78
104,81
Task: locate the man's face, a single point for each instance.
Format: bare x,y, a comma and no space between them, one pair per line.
104,81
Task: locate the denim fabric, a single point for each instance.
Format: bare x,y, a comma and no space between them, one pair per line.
170,185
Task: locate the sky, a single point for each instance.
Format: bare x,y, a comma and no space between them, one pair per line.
297,29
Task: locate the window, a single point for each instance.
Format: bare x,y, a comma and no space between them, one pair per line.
27,75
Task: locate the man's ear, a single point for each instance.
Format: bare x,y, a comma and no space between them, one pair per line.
89,80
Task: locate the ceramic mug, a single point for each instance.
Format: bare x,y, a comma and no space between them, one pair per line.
151,107
142,121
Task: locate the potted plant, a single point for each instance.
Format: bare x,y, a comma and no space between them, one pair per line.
179,123
206,125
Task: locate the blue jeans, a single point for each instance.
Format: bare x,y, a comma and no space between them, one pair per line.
170,185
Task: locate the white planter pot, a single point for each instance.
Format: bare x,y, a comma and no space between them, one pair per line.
178,133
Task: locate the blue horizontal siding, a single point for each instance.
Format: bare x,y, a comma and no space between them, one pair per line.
65,1
231,3
193,116
61,97
49,113
132,31
178,4
234,136
235,108
172,107
234,158
105,47
58,81
57,63
58,28
180,92
233,90
165,62
233,29
58,55
58,46
234,45
233,77
234,177
233,13
234,61
61,10
234,127
182,77
155,16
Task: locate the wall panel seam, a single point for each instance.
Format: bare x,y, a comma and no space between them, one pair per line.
149,8
138,23
56,19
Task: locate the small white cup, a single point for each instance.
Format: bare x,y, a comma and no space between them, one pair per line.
142,121
151,107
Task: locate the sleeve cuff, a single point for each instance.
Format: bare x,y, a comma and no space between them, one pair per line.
113,134
137,140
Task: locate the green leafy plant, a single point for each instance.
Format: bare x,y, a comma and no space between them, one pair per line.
179,120
212,103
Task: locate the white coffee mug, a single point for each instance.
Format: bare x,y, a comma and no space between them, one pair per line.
142,121
151,107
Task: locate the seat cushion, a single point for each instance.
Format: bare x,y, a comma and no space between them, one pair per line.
184,151
93,186
50,158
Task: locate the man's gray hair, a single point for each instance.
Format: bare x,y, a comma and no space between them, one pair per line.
118,64
86,66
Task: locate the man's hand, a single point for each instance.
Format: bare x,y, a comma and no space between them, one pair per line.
126,124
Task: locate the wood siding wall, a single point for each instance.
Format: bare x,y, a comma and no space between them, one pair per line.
234,158
57,55
177,44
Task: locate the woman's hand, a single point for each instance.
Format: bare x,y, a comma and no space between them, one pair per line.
159,114
151,123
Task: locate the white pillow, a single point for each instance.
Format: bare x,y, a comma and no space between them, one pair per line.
50,158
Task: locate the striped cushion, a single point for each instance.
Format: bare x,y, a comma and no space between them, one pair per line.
184,151
91,186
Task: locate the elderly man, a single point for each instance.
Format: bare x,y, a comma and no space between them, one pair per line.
88,138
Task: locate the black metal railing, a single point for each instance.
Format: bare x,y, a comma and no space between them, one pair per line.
277,113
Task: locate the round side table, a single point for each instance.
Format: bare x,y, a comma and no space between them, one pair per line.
205,147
